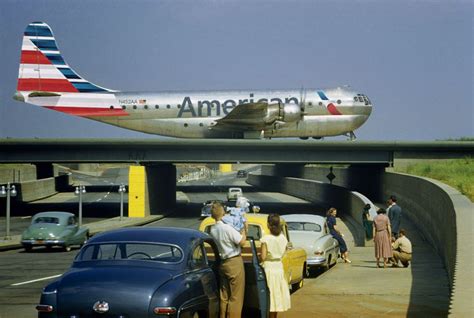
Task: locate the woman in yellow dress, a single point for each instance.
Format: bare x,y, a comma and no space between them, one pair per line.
274,246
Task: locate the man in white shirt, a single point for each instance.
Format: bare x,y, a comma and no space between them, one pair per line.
402,250
231,270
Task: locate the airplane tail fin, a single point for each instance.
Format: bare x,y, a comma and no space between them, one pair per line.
43,71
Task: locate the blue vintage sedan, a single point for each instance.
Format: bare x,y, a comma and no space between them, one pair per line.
148,272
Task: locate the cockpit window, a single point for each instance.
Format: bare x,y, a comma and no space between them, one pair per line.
362,98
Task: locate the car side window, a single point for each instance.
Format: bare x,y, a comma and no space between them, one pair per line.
254,232
198,259
210,254
71,221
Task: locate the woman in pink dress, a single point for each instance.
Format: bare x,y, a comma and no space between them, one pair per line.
382,233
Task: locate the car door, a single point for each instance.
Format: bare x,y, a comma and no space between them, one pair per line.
257,294
295,258
205,260
72,229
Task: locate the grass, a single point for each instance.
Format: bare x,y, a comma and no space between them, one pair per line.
458,173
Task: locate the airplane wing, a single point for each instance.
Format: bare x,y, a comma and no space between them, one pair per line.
257,116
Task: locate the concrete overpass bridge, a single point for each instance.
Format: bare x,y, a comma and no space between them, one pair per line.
225,151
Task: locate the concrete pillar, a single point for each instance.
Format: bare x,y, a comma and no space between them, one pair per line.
138,205
44,170
161,180
152,189
225,167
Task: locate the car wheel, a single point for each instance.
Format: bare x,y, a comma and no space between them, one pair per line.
298,285
306,271
28,248
328,263
85,239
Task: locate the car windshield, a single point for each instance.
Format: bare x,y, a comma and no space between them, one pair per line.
303,226
163,253
46,219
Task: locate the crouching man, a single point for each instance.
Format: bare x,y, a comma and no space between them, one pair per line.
402,250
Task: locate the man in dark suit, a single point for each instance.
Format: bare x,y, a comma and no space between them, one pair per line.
394,214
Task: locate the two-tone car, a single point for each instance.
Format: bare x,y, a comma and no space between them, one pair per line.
149,272
294,259
54,228
311,233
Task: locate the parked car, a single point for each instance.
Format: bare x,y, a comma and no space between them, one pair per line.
54,229
148,272
234,193
311,233
294,260
242,174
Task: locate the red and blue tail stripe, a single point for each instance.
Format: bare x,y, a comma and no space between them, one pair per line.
45,79
40,51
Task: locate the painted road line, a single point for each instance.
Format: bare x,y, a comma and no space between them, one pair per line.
35,280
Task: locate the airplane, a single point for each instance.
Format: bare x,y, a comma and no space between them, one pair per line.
46,80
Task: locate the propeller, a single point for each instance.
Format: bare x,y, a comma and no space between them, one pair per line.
302,99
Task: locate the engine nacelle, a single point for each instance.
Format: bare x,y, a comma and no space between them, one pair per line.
290,113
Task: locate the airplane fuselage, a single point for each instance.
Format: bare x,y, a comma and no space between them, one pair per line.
45,79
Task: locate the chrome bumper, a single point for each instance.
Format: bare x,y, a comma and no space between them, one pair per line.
315,261
42,242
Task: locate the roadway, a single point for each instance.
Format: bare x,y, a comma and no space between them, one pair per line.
23,275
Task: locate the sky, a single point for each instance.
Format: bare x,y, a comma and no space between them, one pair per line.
412,58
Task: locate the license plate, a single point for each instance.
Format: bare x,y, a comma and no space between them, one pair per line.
39,241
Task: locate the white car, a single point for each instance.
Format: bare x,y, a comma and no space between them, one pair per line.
311,233
233,194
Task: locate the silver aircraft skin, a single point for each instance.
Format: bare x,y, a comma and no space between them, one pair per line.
45,79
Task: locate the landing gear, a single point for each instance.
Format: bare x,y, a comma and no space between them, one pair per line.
350,135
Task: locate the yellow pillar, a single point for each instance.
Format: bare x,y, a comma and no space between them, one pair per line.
225,167
137,200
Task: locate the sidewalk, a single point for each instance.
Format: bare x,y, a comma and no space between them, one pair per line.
361,289
94,228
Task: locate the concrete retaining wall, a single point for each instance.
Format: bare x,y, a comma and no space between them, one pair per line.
39,189
17,173
445,219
